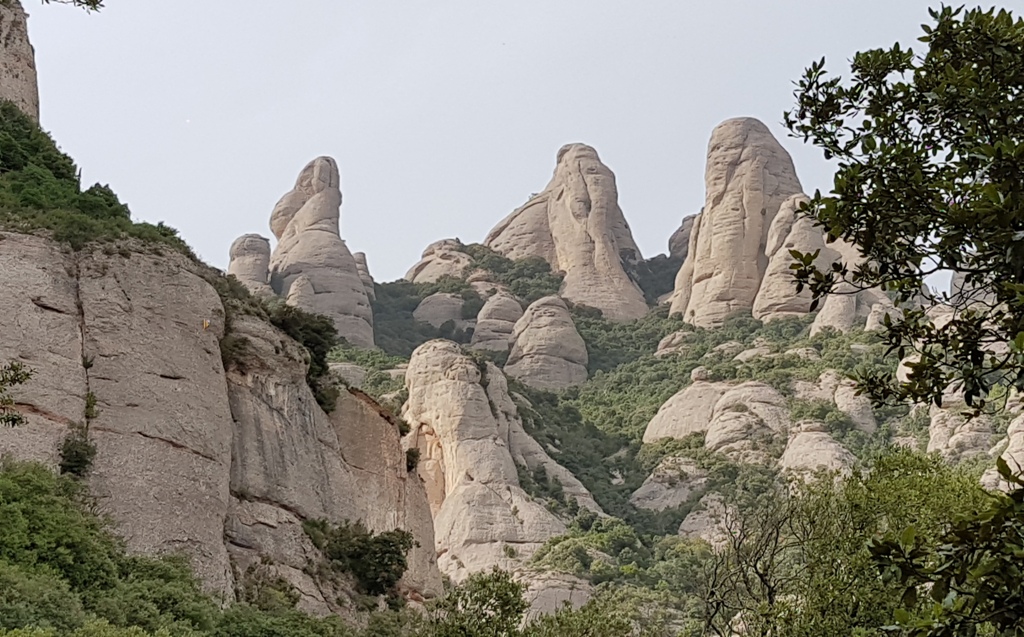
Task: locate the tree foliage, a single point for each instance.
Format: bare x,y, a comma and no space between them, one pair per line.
930,178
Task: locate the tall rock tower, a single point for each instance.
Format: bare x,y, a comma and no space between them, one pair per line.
17,60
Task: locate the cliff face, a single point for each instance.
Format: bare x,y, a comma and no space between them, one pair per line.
220,465
576,225
17,60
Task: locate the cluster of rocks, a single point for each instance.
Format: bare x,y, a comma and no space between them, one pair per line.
737,253
472,444
311,266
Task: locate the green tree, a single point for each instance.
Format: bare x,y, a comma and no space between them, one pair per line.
971,576
485,605
930,178
88,5
11,375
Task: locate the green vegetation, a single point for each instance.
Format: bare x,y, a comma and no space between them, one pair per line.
929,158
11,375
378,382
395,330
528,279
40,192
77,452
376,561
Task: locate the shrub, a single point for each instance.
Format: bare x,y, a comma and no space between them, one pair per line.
11,375
318,335
77,453
37,599
376,561
412,458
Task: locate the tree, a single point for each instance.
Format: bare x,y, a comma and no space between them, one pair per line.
11,375
930,178
972,575
88,5
485,605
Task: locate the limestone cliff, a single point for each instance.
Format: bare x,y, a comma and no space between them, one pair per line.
471,441
748,177
576,225
17,60
221,465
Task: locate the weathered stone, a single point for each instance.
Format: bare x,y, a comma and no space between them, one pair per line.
442,258
470,441
956,436
576,225
726,350
752,353
847,309
439,308
689,411
18,82
351,374
311,257
250,263
673,482
804,353
675,343
364,275
1012,454
547,352
748,177
496,322
811,449
708,522
679,242
777,296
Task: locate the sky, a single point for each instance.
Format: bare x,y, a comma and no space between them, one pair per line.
443,115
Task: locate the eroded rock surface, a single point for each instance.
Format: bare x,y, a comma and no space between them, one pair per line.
250,263
777,297
18,82
547,351
496,322
222,466
441,259
576,225
811,449
673,482
364,275
470,440
679,242
748,177
311,266
439,308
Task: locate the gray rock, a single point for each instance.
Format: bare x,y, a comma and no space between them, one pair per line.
17,60
250,263
548,352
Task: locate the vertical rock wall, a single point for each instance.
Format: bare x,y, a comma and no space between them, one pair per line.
18,82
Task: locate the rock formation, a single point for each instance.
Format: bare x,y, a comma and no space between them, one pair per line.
777,296
440,259
955,435
547,351
311,266
496,322
250,263
748,177
848,309
1013,454
439,308
811,449
679,242
471,440
675,343
673,482
687,412
576,225
17,60
365,276
221,464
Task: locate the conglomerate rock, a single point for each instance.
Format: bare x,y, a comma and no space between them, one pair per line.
547,351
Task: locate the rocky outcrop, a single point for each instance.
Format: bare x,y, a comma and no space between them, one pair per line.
848,309
957,436
1013,454
841,391
364,275
675,343
250,263
811,449
18,82
687,412
777,297
679,242
576,225
673,482
311,267
496,322
221,465
470,441
748,177
547,351
442,258
440,308
292,462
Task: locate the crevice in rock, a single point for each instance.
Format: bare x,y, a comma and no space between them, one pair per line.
248,497
38,302
30,409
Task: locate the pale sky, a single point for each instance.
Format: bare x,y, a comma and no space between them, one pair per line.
443,115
